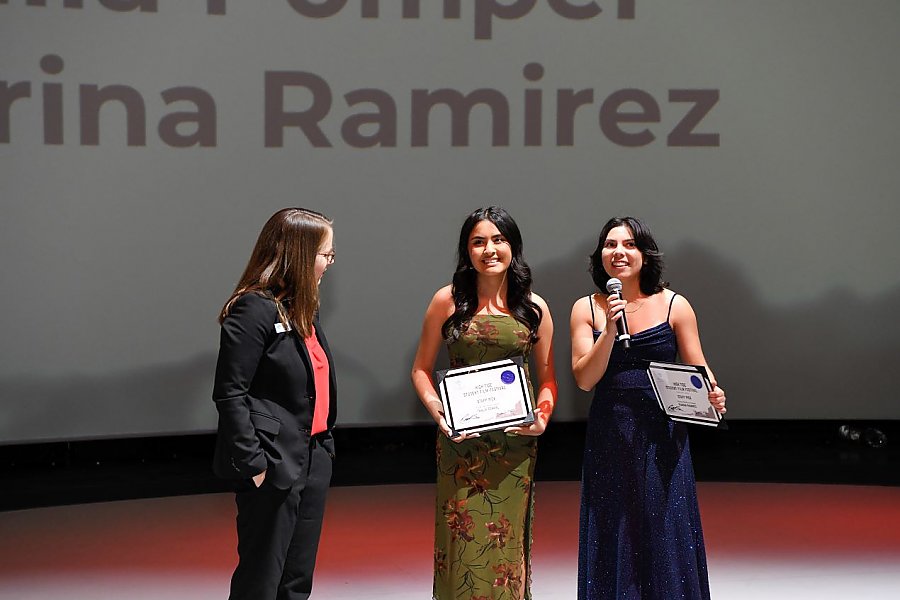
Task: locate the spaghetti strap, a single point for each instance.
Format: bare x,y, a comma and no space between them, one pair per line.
672,301
590,300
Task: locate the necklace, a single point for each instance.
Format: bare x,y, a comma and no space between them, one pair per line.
639,307
629,312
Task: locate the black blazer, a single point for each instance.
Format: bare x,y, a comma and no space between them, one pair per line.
265,392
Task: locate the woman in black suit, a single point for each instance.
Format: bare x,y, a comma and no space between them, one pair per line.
275,392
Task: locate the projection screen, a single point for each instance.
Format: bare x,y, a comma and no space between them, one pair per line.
143,144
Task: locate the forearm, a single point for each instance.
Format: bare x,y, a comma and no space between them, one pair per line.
243,339
428,395
546,401
591,367
238,436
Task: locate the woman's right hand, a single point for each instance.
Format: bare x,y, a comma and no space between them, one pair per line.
442,424
259,478
615,305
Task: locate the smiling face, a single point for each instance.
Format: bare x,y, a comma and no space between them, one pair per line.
489,251
620,255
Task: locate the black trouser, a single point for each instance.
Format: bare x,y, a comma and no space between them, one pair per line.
278,534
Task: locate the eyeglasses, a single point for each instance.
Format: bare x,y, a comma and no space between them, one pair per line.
329,256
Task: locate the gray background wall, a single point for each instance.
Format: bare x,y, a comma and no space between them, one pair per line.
116,257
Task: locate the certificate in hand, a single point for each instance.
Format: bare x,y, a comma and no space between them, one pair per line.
683,392
486,397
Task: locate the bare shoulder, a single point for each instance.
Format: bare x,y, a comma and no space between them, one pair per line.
444,295
442,301
581,309
681,307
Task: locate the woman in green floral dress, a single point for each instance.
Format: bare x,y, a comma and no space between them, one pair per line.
485,482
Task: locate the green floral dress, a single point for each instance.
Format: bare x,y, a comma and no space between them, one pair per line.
485,488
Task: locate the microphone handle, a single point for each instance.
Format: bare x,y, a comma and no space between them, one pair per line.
624,336
622,328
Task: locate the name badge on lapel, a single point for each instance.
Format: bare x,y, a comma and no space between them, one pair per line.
280,328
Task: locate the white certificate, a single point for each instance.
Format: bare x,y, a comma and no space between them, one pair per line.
485,397
683,392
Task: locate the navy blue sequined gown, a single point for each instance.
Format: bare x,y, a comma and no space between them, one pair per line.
640,536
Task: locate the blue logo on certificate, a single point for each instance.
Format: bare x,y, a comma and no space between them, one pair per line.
507,377
696,381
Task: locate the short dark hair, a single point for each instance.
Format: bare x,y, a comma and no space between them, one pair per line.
651,272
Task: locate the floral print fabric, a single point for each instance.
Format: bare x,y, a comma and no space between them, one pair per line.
485,488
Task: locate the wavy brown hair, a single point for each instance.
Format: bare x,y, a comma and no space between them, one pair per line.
282,266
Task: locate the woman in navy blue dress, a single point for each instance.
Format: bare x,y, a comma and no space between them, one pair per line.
640,536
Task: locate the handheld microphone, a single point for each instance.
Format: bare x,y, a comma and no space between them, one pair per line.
614,287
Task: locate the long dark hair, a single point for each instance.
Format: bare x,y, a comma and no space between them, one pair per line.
650,279
282,266
518,277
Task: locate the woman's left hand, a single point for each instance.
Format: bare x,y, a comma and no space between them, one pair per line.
717,398
535,429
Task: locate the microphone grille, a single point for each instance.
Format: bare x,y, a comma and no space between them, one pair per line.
614,285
